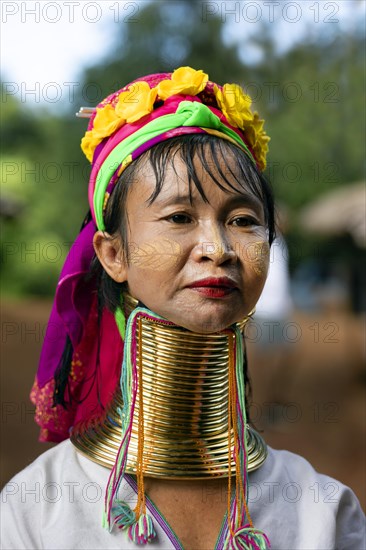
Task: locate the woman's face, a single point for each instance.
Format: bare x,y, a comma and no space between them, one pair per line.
200,265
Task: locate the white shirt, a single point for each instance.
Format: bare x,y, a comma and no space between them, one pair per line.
57,502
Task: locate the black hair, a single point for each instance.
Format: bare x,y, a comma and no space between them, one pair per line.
209,150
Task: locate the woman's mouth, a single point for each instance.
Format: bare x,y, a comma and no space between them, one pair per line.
214,287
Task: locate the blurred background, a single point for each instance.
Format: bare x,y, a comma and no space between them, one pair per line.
303,64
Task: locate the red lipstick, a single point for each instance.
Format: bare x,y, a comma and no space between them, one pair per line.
214,287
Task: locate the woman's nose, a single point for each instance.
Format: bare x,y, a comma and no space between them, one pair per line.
213,244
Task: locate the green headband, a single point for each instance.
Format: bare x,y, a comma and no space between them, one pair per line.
188,113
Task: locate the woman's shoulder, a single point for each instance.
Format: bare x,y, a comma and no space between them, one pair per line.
298,481
287,495
49,477
48,465
61,487
63,450
288,467
286,463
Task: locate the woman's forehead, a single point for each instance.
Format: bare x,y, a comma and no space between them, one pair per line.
218,181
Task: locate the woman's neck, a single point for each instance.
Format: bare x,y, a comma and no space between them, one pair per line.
184,390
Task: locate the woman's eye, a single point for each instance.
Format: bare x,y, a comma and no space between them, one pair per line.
180,218
244,221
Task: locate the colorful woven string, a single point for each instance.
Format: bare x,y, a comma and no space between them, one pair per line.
242,535
137,523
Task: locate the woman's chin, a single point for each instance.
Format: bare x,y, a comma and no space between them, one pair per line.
203,326
207,319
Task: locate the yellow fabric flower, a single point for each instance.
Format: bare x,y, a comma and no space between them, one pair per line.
235,104
136,102
260,149
184,80
252,129
257,123
89,143
106,122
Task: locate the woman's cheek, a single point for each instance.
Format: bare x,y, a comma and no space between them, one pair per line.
257,257
157,255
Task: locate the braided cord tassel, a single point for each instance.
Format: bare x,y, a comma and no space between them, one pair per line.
242,534
142,530
139,525
128,382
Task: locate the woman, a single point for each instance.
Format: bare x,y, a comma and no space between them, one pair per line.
176,244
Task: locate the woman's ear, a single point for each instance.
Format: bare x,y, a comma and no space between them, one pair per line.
110,254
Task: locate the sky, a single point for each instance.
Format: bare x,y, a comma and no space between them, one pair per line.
45,45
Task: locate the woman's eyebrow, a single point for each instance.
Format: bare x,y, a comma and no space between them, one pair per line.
237,200
174,199
245,199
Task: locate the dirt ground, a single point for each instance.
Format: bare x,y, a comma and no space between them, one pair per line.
309,396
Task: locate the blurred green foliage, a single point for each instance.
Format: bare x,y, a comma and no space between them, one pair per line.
311,97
